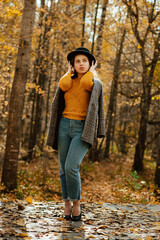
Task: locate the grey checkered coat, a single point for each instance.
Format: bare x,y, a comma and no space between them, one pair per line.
95,120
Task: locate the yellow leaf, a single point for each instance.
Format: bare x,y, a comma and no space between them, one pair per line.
61,219
156,223
23,235
148,238
90,222
29,199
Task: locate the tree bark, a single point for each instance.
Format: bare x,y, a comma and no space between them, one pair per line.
9,174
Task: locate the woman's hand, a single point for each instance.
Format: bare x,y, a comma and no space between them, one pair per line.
92,68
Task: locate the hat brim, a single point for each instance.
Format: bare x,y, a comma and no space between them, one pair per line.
72,54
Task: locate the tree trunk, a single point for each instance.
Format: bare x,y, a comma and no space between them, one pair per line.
145,106
142,134
100,32
9,174
94,152
83,23
94,30
157,172
113,97
33,95
39,98
147,74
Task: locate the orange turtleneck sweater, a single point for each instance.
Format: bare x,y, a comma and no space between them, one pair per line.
77,95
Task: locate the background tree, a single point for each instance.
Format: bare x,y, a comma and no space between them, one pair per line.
94,29
83,23
9,175
148,68
100,33
113,96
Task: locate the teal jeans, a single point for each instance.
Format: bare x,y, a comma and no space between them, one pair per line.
71,151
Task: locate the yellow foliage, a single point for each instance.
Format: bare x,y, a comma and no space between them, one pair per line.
29,200
139,46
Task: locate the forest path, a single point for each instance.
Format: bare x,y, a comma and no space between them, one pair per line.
43,220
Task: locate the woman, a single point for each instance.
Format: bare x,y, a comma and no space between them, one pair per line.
77,118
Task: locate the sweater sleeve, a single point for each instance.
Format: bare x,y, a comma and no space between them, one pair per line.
65,82
87,81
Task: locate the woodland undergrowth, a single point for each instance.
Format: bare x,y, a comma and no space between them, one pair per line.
109,180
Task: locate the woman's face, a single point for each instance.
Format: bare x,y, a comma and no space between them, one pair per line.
81,64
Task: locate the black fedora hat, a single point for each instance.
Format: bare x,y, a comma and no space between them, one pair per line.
81,50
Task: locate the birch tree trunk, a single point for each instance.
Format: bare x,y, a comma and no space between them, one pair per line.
9,174
100,32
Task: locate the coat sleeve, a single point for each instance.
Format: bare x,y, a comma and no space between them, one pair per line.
53,119
101,117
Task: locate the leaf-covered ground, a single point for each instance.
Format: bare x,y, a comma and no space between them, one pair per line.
109,181
116,202
41,220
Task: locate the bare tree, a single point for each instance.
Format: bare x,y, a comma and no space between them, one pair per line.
9,174
113,96
148,68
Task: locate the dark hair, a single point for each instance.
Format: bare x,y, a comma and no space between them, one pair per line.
75,74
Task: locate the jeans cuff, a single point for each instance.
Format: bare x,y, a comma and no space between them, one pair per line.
71,199
66,199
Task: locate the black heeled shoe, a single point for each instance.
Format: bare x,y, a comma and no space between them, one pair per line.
76,218
67,217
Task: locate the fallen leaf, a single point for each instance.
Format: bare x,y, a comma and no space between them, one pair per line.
21,207
29,200
23,234
103,226
148,238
